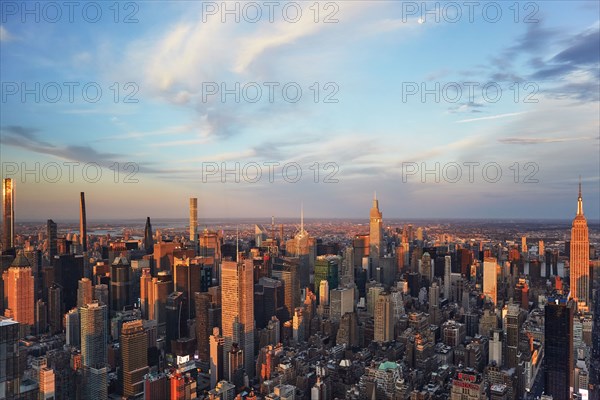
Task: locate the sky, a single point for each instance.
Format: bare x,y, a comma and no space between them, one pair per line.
444,109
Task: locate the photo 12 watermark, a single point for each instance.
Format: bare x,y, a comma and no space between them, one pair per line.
454,12
456,92
70,172
291,12
469,171
271,92
71,92
269,172
54,12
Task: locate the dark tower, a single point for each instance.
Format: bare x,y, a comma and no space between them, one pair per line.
148,240
558,347
119,284
52,236
82,223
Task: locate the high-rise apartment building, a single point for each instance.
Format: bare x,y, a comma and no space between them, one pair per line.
93,319
8,213
134,357
52,235
93,335
193,219
238,310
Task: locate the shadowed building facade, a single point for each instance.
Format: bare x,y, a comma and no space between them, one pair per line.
558,347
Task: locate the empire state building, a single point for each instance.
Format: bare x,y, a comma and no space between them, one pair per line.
580,258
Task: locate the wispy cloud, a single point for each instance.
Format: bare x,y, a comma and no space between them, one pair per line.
515,140
491,117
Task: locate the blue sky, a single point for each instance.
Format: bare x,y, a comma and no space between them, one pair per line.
373,54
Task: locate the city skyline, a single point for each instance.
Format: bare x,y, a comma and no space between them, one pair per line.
300,200
204,212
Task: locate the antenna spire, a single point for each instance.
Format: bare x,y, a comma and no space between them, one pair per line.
237,243
579,200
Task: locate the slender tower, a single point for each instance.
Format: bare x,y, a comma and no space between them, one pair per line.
375,234
51,232
8,202
148,239
193,219
82,223
580,258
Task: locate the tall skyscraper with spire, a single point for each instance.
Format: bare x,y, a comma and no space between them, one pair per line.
82,223
237,314
375,234
580,258
193,219
8,214
304,247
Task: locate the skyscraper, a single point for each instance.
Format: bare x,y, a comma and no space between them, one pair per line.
176,320
119,284
580,258
8,202
9,359
148,239
51,233
19,291
238,310
375,235
68,270
94,350
193,219
216,357
73,328
327,268
558,347
55,308
203,327
82,223
302,246
93,335
134,357
84,292
384,324
490,279
513,328
447,272
145,290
